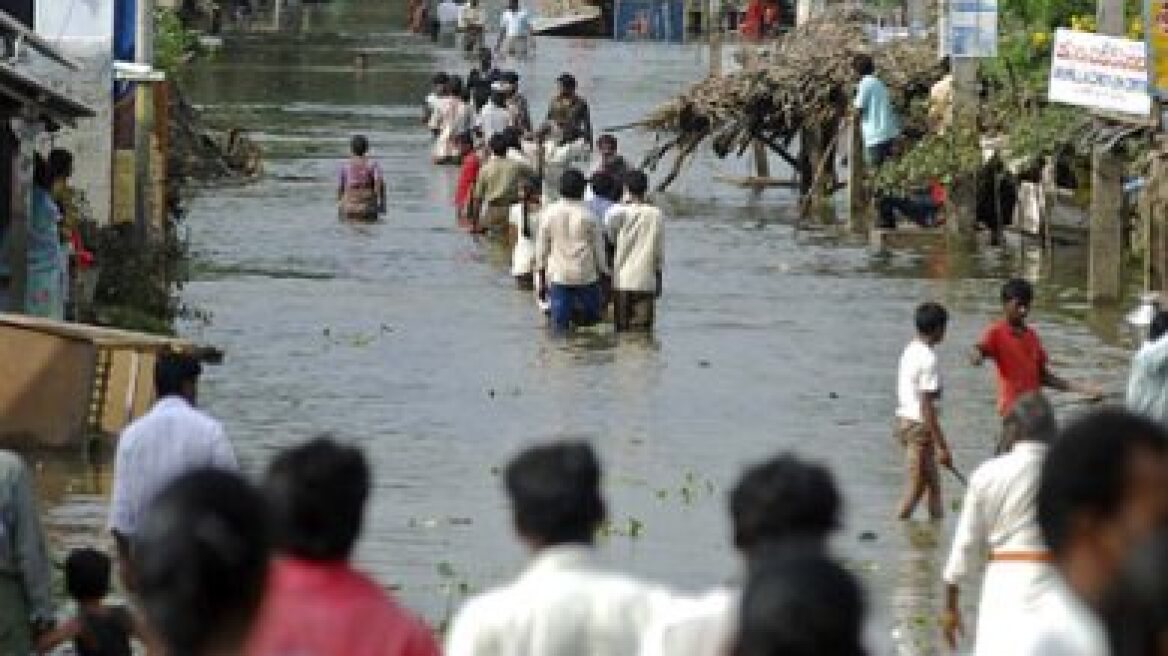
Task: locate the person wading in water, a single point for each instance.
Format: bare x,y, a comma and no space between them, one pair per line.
361,186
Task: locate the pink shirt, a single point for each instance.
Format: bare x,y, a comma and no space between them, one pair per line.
329,609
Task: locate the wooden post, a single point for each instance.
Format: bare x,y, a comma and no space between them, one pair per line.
762,163
963,192
1106,243
859,204
1155,215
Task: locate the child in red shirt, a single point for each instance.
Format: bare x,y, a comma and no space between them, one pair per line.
1021,362
467,174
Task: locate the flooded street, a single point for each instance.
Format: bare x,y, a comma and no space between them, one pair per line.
409,338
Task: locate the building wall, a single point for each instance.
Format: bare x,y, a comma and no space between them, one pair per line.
83,31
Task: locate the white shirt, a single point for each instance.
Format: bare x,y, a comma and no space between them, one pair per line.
493,119
563,604
515,23
170,440
523,254
917,374
694,626
570,245
635,228
1063,626
448,13
999,511
470,16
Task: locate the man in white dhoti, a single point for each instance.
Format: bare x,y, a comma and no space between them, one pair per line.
998,528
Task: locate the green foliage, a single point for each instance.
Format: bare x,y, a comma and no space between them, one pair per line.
940,158
138,282
174,44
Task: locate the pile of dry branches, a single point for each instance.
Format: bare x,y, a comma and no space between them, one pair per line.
803,80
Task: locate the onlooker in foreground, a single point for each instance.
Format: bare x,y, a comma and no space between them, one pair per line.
98,629
360,183
635,229
1135,608
202,559
1104,489
1147,388
1021,362
316,602
569,111
999,524
564,604
496,189
569,254
173,438
800,604
26,594
918,428
878,121
781,502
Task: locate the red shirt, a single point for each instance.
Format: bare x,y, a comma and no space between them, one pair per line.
330,609
466,178
1019,358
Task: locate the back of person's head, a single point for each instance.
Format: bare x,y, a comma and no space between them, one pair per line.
60,163
1031,419
555,493
317,492
863,64
359,145
440,79
1134,609
510,77
607,141
201,562
498,145
485,57
1018,289
1159,326
514,137
637,182
783,499
41,176
931,319
464,140
454,86
176,374
87,575
604,185
798,602
573,184
1086,475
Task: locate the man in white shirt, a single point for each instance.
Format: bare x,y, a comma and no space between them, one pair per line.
783,502
918,391
569,253
170,440
494,117
635,229
998,529
564,603
1103,491
515,31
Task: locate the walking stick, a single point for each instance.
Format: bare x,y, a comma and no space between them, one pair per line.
957,474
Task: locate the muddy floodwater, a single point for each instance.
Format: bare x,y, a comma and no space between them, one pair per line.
408,337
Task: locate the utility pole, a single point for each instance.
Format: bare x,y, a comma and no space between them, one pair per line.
962,121
143,120
1105,277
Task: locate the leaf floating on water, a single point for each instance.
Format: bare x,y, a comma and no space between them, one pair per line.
868,536
445,569
460,521
704,364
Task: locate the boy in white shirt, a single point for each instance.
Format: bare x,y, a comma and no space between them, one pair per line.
917,427
515,32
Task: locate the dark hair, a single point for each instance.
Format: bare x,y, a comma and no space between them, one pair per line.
605,185
172,371
572,184
317,492
359,145
60,163
513,135
201,560
606,139
1135,606
440,78
637,182
464,138
1017,289
40,172
931,318
800,603
1159,325
863,64
781,499
454,86
87,574
1086,470
1032,419
510,77
498,144
555,493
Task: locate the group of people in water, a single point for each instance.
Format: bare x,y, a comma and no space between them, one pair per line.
579,228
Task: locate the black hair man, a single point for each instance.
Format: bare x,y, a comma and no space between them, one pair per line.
569,254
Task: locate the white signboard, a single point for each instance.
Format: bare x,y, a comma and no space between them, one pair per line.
1100,72
973,29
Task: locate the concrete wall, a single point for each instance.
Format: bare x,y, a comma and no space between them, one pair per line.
83,30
